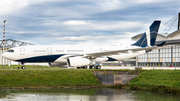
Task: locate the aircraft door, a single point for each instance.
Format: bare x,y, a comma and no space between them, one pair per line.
49,50
22,51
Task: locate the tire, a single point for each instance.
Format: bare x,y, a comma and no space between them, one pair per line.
85,67
78,67
91,67
98,67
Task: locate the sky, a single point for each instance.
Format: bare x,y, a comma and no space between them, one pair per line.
84,22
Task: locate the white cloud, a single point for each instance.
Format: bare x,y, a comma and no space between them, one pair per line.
75,22
103,25
104,37
97,40
82,22
108,5
152,1
9,6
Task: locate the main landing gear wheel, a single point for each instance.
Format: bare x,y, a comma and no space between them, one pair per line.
91,67
84,67
23,66
98,67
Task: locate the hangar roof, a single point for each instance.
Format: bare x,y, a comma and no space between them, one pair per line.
177,41
9,43
173,36
174,33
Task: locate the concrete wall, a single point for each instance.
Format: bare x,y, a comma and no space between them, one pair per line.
123,79
114,79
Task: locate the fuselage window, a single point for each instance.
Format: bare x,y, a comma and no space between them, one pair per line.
39,50
10,50
59,50
74,50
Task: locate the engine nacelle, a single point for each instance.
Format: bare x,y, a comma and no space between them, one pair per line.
77,62
51,64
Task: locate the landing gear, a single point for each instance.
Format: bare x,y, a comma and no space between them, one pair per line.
23,67
98,67
90,67
83,67
94,67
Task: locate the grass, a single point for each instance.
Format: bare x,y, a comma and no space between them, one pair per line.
47,78
157,80
28,67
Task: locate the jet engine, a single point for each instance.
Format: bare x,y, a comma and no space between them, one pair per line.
78,62
51,64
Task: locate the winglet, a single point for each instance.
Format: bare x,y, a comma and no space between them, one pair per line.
149,37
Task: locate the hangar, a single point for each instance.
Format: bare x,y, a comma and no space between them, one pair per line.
162,57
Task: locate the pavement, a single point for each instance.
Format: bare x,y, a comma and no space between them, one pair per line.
121,67
133,67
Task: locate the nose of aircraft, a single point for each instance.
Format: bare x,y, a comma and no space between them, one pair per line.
5,55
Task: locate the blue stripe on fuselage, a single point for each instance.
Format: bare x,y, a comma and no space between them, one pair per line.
47,58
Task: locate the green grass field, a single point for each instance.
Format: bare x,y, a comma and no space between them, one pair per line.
28,67
157,80
47,78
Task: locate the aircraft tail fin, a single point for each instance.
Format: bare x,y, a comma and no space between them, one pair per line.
149,37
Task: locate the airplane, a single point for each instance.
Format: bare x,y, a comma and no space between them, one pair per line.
83,56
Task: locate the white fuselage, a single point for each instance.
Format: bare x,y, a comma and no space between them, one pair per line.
59,54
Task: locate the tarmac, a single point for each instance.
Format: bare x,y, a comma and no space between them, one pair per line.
133,67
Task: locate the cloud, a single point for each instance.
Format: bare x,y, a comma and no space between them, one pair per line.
102,25
9,6
88,22
152,1
74,22
109,5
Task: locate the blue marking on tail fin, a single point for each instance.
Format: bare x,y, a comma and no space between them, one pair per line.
142,42
150,33
154,31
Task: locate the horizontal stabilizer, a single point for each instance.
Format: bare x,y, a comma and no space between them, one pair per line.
161,44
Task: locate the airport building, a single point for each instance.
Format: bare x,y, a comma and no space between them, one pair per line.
166,57
162,57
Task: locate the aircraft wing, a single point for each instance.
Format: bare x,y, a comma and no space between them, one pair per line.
100,54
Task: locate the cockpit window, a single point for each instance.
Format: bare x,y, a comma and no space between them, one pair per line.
11,50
